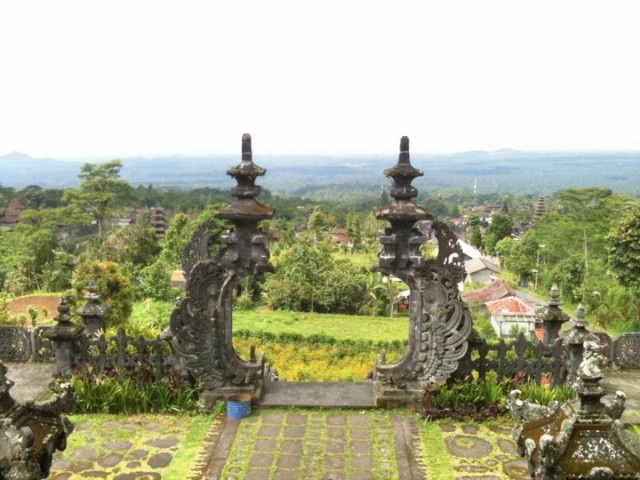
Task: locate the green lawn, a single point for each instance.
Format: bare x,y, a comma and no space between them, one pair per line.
340,327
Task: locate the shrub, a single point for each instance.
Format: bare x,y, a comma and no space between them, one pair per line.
132,392
479,400
113,286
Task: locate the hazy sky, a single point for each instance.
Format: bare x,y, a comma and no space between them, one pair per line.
134,77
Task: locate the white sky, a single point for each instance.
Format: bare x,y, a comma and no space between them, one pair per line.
135,77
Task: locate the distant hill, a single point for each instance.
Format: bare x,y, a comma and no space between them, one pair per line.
499,171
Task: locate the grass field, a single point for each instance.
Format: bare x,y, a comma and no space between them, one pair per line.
340,327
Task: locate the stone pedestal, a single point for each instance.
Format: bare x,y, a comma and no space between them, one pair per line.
31,433
583,441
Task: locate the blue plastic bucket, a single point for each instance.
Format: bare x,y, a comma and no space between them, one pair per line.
239,406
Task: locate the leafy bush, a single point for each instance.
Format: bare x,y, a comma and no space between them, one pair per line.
4,309
132,392
544,395
478,400
113,286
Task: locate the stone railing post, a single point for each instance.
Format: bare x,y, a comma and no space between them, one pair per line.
552,317
65,337
574,343
93,311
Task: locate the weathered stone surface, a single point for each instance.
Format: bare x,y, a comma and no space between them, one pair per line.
293,432
362,462
261,460
296,419
272,417
360,433
334,462
85,453
470,429
160,460
292,446
255,474
288,461
507,446
468,447
110,460
95,474
358,447
266,445
269,431
138,476
118,445
516,469
165,442
138,454
80,466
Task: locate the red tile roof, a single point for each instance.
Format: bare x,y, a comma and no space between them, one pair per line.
494,291
509,305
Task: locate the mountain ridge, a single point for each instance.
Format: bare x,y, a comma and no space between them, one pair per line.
500,170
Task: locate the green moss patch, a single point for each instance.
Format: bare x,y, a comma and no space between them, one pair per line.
134,446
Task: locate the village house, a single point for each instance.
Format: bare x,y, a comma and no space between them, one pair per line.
480,270
510,315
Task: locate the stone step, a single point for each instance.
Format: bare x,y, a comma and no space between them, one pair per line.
318,394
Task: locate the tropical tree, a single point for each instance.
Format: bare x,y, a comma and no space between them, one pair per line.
136,244
499,228
101,191
624,249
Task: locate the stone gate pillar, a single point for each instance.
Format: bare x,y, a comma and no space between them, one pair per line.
439,321
202,323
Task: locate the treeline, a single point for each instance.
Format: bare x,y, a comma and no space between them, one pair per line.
587,243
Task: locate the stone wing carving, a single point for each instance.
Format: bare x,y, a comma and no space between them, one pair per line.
195,323
445,327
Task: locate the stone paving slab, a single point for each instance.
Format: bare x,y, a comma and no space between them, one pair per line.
321,445
318,394
629,382
31,379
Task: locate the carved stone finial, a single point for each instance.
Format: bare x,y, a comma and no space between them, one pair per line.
581,316
554,295
246,148
63,316
404,151
403,174
552,316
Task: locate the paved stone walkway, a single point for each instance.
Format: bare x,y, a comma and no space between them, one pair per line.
318,394
281,444
317,445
